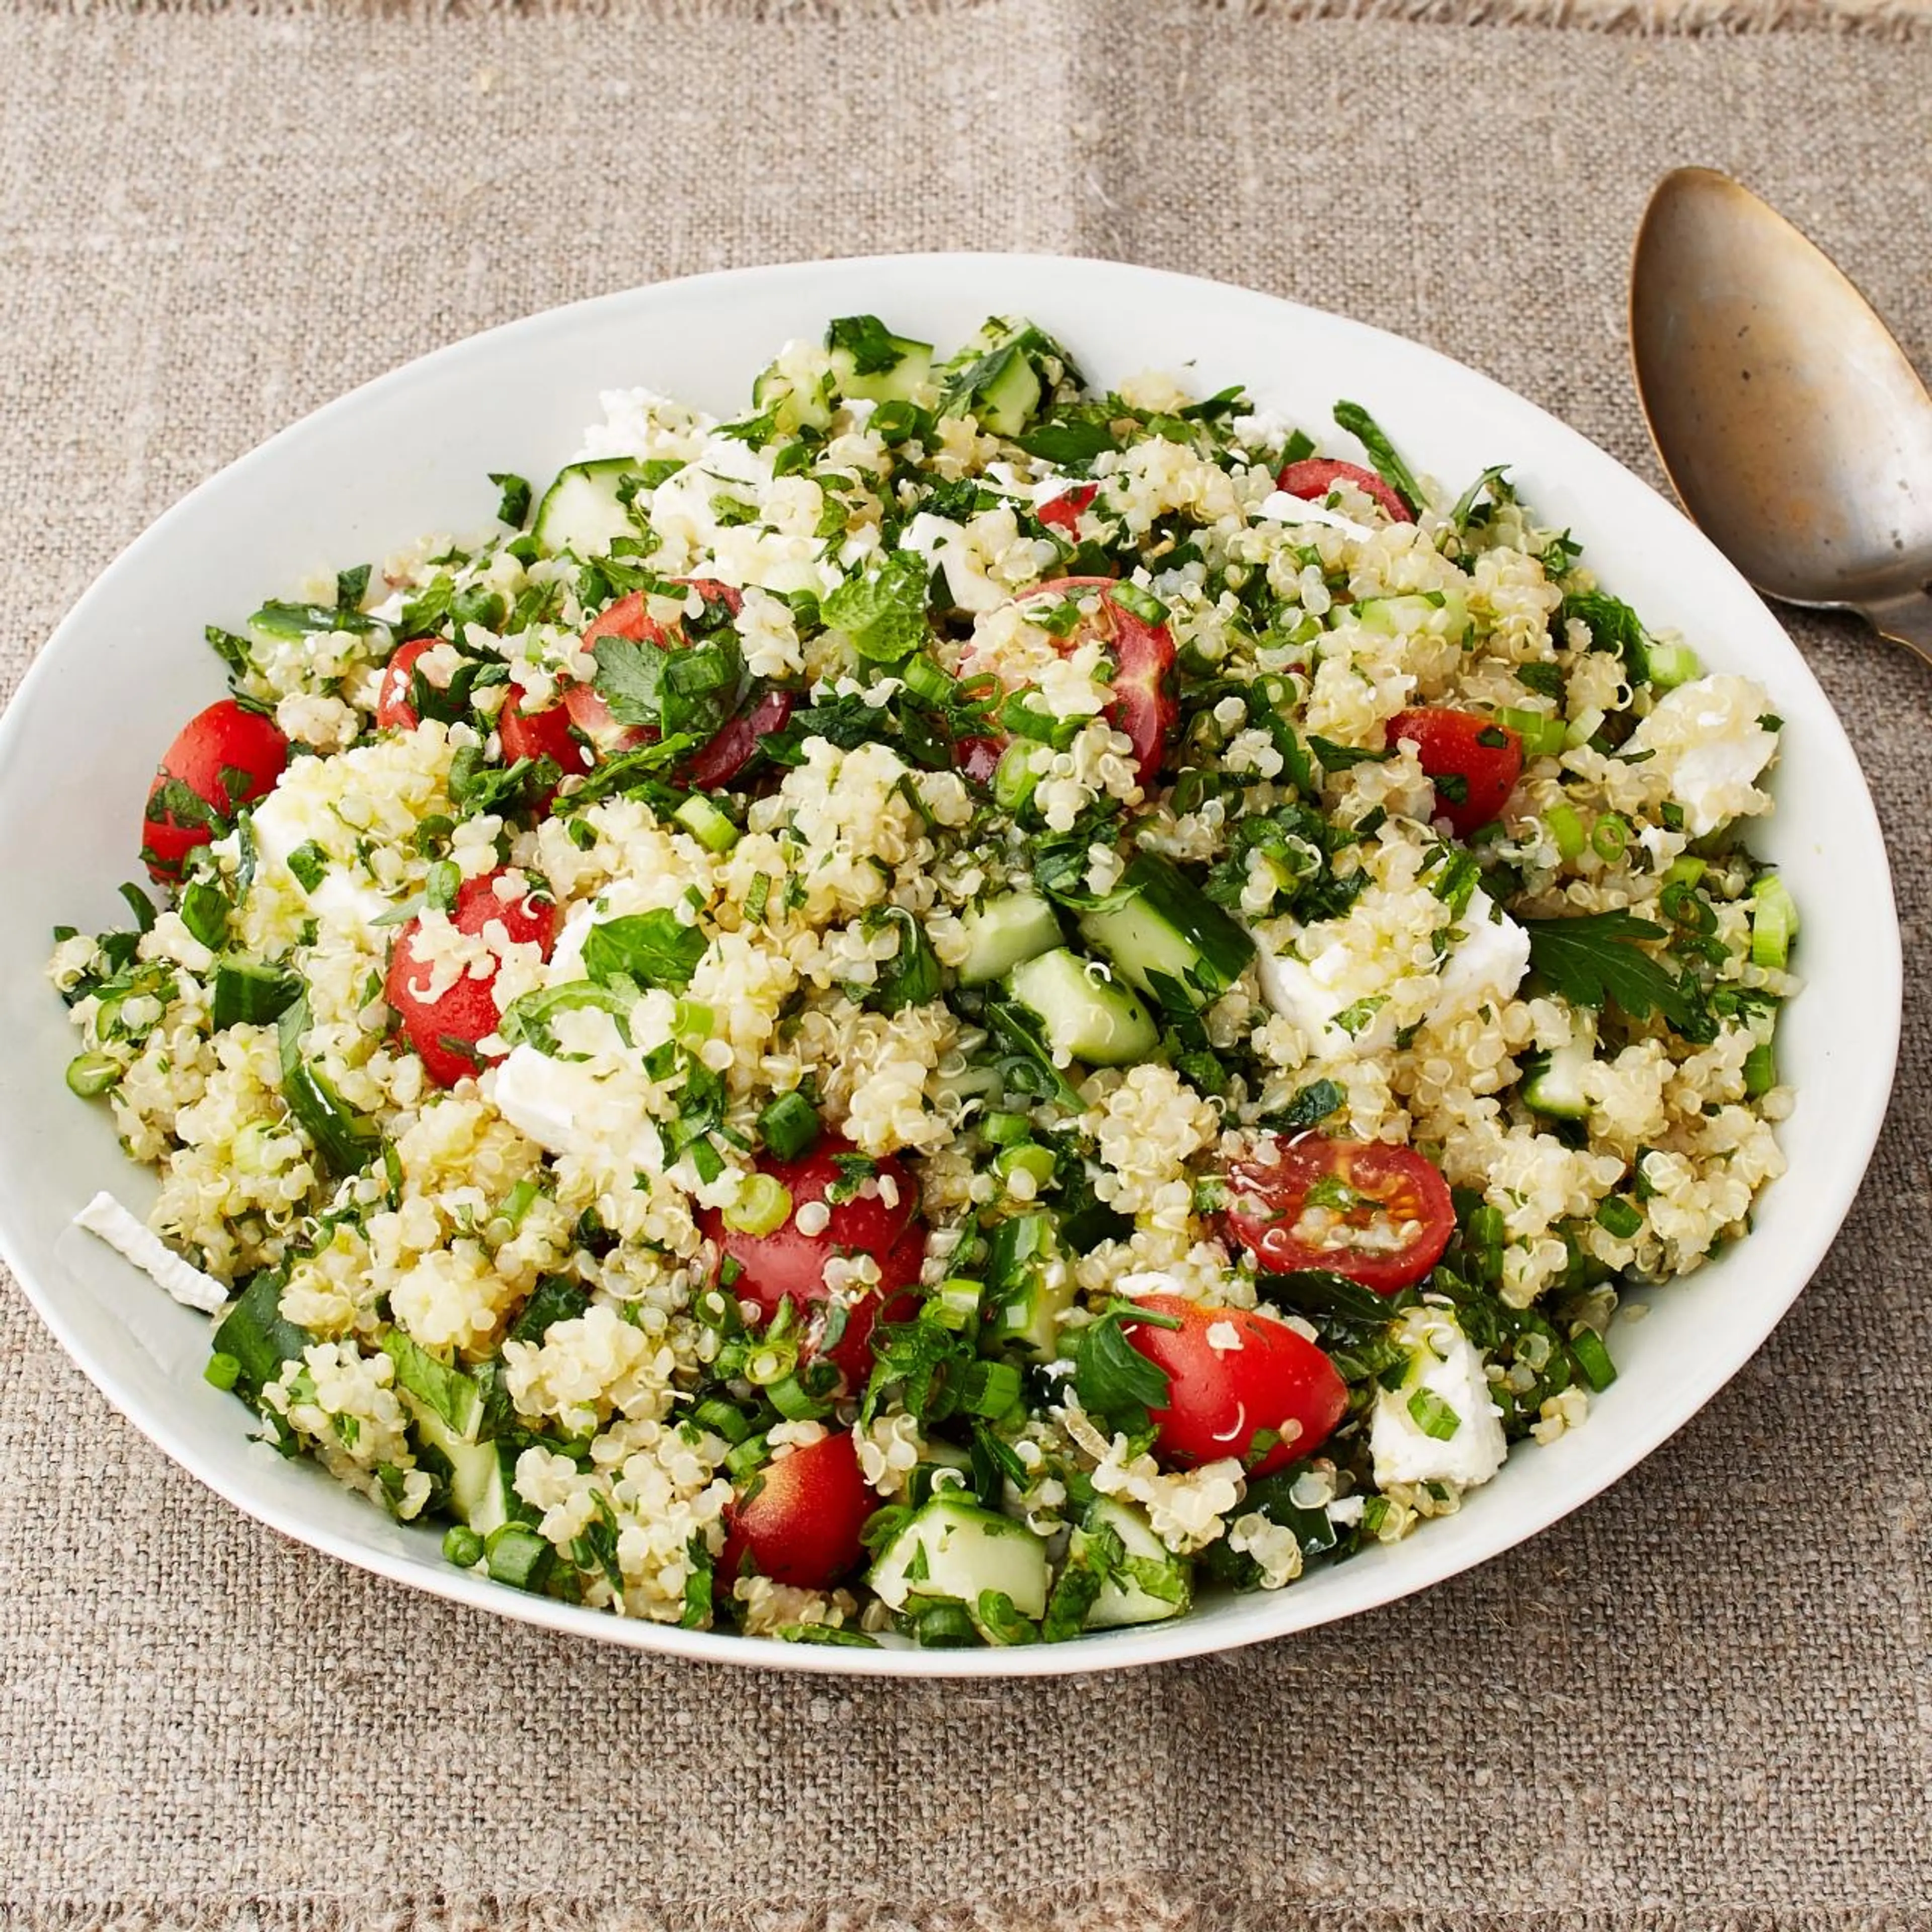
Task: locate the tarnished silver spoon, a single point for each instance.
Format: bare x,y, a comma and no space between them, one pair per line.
1795,431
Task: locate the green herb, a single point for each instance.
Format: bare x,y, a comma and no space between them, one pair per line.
911,977
1593,1359
232,650
246,994
297,621
1075,435
789,1125
1335,758
1597,958
1491,481
1308,1106
1612,625
514,505
307,862
1432,1415
681,689
1382,456
1113,1379
884,614
1546,680
204,911
867,341
351,586
653,948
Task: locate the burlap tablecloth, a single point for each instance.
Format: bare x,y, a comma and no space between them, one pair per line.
1705,1701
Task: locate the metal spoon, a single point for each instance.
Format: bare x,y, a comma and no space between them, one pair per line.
1796,432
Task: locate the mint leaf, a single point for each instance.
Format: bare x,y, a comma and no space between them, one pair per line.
884,615
1383,456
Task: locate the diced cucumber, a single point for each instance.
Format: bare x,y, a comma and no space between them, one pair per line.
1432,613
1773,921
900,383
1005,931
711,828
1553,1082
1084,1012
953,1549
1159,923
1146,1582
248,992
481,1476
581,511
994,379
797,388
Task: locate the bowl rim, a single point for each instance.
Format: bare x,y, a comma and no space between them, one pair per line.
1185,1636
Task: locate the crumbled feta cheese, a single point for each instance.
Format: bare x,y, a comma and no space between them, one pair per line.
1223,1337
1446,1365
1278,506
105,1216
1487,964
1706,735
569,1107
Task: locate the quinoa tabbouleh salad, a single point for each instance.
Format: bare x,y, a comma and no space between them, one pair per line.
949,1010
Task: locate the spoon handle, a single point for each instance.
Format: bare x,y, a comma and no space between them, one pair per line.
1906,620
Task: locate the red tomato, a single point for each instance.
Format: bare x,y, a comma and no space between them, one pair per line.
445,1031
1388,1220
541,734
1219,1398
717,763
1064,513
394,711
1311,478
788,1264
799,1520
1144,706
720,760
227,756
979,757
1475,761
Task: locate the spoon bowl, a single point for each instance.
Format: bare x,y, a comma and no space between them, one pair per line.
1792,426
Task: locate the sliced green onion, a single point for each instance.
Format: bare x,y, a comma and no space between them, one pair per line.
1583,729
954,1304
1669,665
770,1362
740,1461
90,1075
1003,1130
763,1207
1760,1069
723,1418
1016,776
1592,1359
945,1626
789,1125
1773,921
1610,837
1619,1219
223,1372
1566,827
462,1545
795,1402
1542,736
1432,1415
711,827
519,1556
1686,871
692,1019
1037,1162
989,1388
1138,602
924,679
519,1202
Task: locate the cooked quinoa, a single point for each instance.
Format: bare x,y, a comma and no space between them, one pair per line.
985,836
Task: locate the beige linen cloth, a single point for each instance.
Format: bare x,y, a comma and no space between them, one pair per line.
1704,1702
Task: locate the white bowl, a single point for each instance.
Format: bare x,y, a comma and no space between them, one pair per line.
410,454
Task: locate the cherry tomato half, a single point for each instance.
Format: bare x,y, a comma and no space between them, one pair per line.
1475,761
227,756
1064,513
788,1264
446,1030
394,711
1143,705
1381,1215
1231,1373
800,1520
1313,477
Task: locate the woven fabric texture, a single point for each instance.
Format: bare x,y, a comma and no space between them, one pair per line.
1705,1701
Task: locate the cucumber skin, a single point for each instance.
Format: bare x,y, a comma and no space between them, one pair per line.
998,1554
1164,924
582,479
